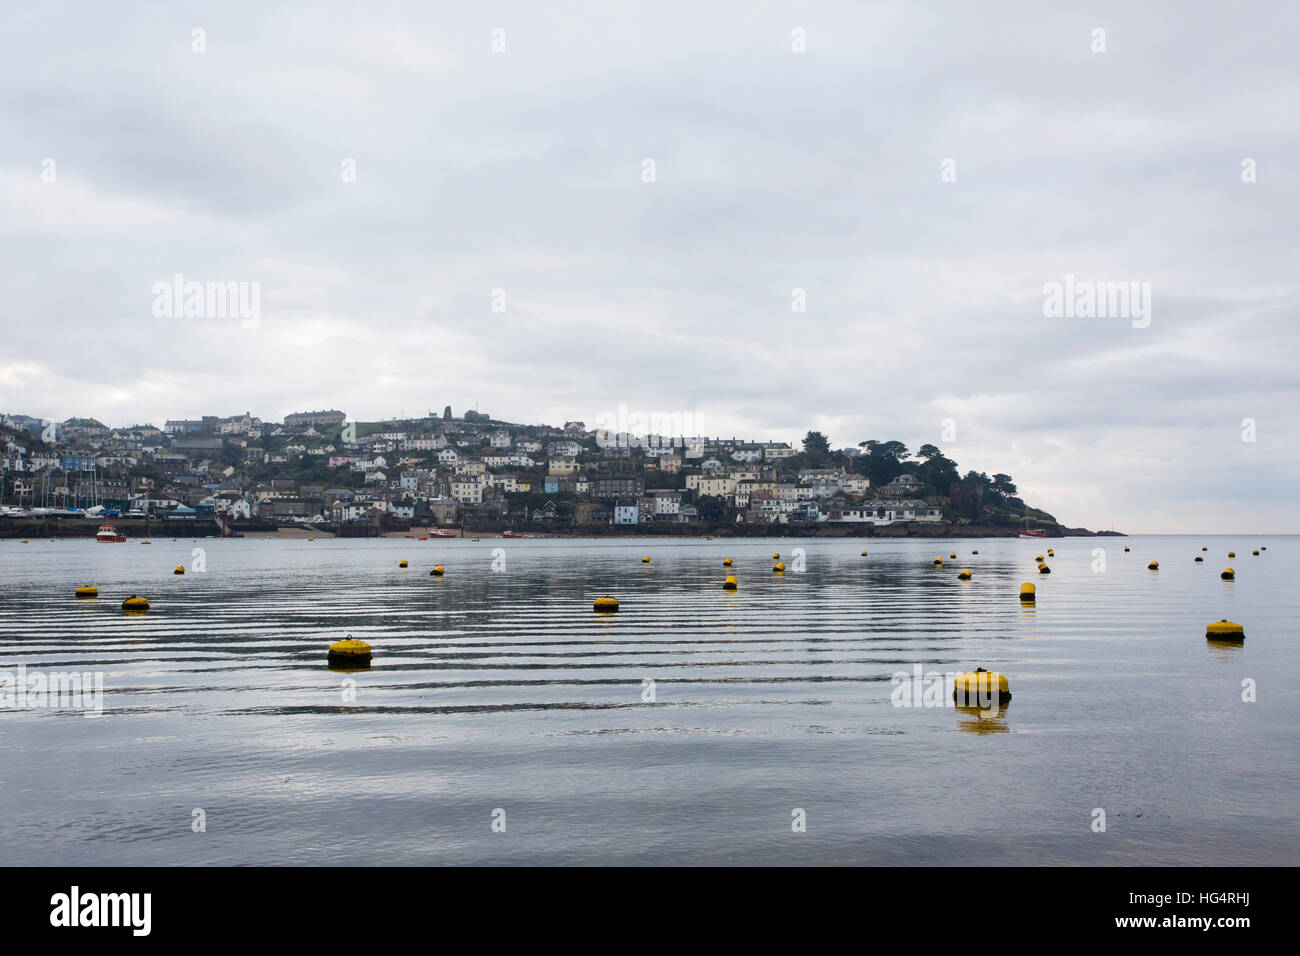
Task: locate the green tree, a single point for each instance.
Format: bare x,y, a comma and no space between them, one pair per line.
817,448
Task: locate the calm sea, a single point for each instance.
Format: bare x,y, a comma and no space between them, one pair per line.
695,726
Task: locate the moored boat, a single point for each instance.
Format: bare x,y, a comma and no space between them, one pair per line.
107,532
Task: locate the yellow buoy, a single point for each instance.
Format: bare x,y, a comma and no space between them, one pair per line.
437,571
963,575
1205,549
952,554
1255,553
88,591
401,564
1126,549
605,604
25,541
938,562
976,551
645,560
780,568
1044,569
1199,558
864,554
1038,558
1232,554
1263,547
776,556
473,539
1227,574
1027,592
1153,566
136,604
1051,553
349,653
180,569
726,562
729,584
980,687
1225,630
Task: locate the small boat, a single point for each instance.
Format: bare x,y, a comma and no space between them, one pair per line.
510,534
107,532
1033,534
441,533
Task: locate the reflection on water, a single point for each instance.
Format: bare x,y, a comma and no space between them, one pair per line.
503,687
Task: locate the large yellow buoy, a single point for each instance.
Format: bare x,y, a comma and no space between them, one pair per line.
135,604
726,562
87,591
1227,574
780,568
963,575
605,604
1153,566
349,653
437,571
180,569
729,583
401,564
1225,630
980,687
1044,569
1027,592
645,560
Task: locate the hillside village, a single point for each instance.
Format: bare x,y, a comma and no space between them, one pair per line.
470,471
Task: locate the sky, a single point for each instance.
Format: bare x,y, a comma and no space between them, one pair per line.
763,218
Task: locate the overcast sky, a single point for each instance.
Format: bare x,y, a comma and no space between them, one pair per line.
524,169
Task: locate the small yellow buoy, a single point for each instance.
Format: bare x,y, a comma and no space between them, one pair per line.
1225,630
645,560
135,604
1044,569
976,551
726,562
1126,549
1255,553
349,653
780,568
605,604
1232,554
1027,592
980,687
963,575
776,556
25,541
401,564
437,571
938,562
1153,566
1227,574
88,591
1038,558
952,554
1051,553
1205,549
729,584
1199,558
180,569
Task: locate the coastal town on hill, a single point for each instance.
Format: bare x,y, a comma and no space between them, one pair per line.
317,471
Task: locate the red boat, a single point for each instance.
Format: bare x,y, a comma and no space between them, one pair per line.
107,532
1033,534
440,533
510,534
